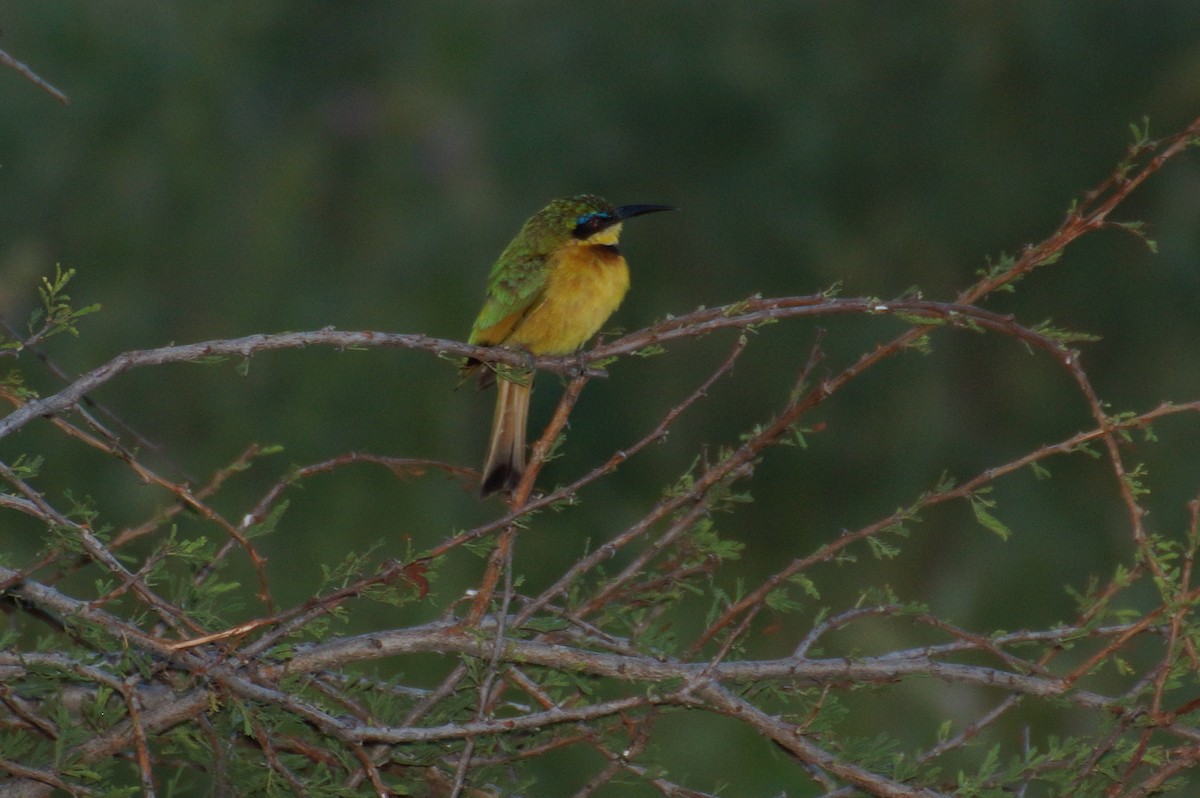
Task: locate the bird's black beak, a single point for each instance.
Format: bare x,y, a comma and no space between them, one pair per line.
629,211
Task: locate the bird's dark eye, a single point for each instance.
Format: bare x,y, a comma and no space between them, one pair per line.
589,224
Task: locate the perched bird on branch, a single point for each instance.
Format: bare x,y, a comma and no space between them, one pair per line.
548,293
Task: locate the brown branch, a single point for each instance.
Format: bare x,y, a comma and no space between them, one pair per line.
502,642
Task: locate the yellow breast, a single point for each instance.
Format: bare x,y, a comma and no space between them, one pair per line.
586,283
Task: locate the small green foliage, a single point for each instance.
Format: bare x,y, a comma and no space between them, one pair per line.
83,512
56,314
881,549
797,436
1050,258
921,319
651,350
876,595
1140,132
1135,480
780,600
25,467
349,570
977,785
806,584
266,526
394,594
878,753
982,507
736,308
945,483
1062,336
14,383
63,538
708,543
556,447
922,343
1000,267
1138,229
684,482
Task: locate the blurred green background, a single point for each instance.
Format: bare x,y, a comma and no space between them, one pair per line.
226,169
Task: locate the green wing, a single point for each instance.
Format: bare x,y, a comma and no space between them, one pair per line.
517,280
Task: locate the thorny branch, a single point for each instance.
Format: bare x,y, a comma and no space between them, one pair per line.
137,665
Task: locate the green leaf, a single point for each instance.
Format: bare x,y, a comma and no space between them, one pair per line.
980,507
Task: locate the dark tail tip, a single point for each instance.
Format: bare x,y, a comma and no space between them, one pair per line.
502,477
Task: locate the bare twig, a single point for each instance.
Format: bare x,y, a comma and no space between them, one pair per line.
27,73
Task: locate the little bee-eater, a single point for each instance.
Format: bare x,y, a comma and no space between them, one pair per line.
548,293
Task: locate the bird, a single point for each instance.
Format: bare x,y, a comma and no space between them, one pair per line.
548,293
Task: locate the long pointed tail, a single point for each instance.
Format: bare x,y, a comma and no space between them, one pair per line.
505,461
